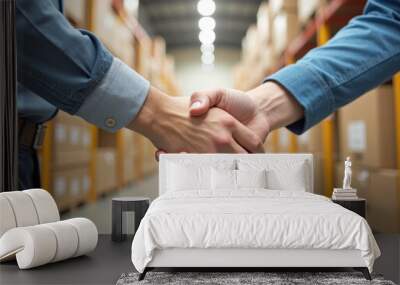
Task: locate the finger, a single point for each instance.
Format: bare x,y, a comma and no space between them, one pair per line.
247,139
202,101
231,147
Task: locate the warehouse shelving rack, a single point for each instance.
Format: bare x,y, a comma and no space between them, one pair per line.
139,34
329,19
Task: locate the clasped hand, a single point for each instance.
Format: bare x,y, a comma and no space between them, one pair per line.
219,120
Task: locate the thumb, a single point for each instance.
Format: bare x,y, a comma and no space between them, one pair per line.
200,103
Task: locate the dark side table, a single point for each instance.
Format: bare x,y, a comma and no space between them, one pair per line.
139,205
357,206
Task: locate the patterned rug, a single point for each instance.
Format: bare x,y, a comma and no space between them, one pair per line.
243,278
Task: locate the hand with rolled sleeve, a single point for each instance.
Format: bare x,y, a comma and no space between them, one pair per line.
71,69
359,57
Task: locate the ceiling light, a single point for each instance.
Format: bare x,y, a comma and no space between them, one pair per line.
207,37
207,23
207,48
206,7
207,58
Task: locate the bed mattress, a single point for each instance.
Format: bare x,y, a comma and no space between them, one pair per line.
252,219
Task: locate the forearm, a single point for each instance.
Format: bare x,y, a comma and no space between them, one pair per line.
278,106
361,56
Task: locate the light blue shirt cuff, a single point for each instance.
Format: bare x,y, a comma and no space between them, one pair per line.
117,99
313,94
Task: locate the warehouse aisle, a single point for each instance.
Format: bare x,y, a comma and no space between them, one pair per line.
100,211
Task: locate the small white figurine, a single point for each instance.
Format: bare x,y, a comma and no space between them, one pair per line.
347,174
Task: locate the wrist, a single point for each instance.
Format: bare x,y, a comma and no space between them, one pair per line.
147,117
278,106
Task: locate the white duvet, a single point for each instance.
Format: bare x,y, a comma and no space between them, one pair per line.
250,219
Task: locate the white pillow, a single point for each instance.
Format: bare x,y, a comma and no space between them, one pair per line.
281,174
251,178
182,177
295,181
223,179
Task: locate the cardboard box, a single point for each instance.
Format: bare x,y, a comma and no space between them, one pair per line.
307,8
278,6
106,173
319,186
264,23
70,187
128,171
76,10
285,28
367,130
71,141
383,205
311,140
283,140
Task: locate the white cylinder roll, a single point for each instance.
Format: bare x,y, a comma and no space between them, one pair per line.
67,240
87,235
45,205
7,218
34,246
24,210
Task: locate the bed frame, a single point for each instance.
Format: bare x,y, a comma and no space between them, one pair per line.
246,258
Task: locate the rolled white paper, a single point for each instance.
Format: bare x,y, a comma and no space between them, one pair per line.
87,235
24,210
7,218
45,205
33,246
67,240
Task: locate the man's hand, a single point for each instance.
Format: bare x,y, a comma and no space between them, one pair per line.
166,121
262,109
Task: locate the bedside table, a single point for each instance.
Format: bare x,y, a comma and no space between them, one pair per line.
357,206
139,205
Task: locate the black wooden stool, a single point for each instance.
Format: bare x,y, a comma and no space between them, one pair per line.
139,205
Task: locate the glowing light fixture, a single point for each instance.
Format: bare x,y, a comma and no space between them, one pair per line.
207,37
207,48
206,7
207,58
206,23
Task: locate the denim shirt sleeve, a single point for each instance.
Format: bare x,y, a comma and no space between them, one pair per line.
358,58
116,99
56,61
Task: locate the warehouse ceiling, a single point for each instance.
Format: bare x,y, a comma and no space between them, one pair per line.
177,20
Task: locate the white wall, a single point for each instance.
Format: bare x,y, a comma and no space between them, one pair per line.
192,76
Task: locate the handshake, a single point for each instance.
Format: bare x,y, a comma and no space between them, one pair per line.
219,120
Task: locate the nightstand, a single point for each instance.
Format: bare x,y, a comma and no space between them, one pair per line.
358,206
139,205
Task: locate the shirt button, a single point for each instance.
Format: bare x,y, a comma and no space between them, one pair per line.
110,122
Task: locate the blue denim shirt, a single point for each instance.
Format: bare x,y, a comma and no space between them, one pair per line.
358,58
71,70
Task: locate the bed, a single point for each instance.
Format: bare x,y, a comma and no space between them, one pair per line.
250,210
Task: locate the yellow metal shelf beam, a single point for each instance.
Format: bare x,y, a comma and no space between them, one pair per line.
396,89
327,128
94,131
46,158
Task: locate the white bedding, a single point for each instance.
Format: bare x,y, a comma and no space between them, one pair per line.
250,219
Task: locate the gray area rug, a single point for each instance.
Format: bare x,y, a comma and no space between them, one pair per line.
233,278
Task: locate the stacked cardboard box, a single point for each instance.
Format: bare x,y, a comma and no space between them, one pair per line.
307,8
70,160
285,23
367,135
366,129
106,170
